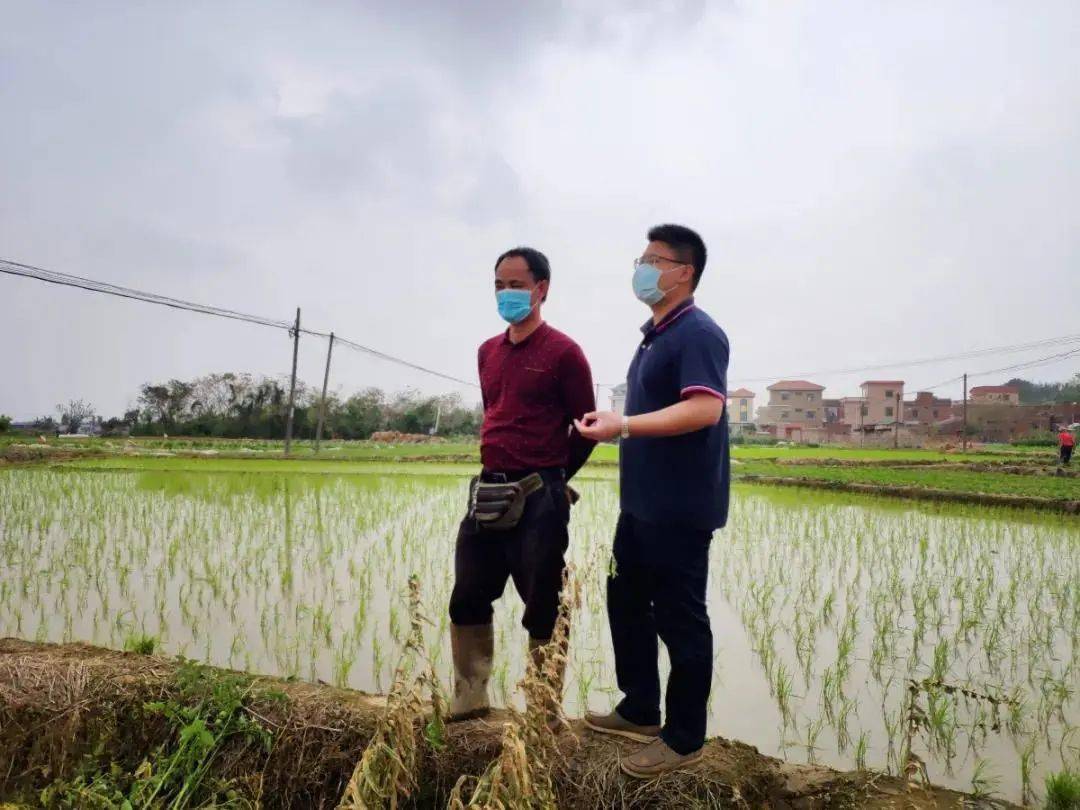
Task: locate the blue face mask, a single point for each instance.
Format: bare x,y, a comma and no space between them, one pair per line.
514,305
647,284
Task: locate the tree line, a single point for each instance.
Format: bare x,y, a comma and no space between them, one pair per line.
1033,393
238,405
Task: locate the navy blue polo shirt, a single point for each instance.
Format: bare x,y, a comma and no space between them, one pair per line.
677,480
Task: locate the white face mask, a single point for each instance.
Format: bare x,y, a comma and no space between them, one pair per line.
647,282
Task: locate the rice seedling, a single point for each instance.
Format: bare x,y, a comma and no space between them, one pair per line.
304,575
1062,790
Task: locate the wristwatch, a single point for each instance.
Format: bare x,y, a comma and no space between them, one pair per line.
625,427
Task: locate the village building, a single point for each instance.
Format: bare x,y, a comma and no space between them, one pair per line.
994,395
926,409
740,409
794,406
618,398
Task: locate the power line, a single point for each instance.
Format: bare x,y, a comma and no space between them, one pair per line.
1015,367
1009,349
383,356
40,274
65,280
92,285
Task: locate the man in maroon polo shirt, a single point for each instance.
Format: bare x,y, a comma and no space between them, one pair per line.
534,381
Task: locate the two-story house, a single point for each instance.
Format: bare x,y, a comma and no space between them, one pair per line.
793,403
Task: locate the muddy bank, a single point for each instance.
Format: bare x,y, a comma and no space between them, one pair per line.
62,705
920,493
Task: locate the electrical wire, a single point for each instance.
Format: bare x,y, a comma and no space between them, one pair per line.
968,355
40,274
63,279
91,285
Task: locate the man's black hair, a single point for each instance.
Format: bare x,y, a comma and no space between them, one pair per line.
539,268
685,244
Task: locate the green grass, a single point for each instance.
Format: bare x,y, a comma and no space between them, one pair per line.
953,480
1063,791
461,459
866,454
292,466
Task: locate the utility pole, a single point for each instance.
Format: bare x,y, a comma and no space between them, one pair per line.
322,402
896,425
292,384
438,417
965,412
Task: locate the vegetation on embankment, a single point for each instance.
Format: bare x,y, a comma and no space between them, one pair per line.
938,477
989,476
88,727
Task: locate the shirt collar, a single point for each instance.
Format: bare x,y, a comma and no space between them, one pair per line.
506,335
650,329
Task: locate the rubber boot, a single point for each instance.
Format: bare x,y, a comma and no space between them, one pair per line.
473,646
538,655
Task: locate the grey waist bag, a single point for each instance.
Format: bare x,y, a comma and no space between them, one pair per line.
500,506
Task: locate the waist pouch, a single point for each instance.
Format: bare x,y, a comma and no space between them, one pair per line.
500,506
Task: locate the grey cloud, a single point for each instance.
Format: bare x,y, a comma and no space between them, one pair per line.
872,181
392,145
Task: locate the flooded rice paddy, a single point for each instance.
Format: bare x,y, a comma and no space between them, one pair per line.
846,630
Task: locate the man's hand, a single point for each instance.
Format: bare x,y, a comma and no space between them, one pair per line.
599,425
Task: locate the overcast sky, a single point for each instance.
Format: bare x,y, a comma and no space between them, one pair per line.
876,182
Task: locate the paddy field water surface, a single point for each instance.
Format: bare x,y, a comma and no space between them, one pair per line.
845,628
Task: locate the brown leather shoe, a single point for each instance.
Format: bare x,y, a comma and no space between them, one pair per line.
615,724
656,759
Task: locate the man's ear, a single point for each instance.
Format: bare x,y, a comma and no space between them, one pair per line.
543,288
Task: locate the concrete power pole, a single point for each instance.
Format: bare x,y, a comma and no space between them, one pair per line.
292,384
322,402
965,413
896,425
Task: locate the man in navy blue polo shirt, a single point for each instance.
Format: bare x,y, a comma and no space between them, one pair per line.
674,471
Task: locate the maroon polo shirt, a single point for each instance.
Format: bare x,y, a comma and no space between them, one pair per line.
531,391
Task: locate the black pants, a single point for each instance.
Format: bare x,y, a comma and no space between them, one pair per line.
531,554
1066,454
658,589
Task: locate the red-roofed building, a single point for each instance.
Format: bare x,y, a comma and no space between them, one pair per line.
995,395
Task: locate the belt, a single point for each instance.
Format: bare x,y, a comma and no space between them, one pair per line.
549,474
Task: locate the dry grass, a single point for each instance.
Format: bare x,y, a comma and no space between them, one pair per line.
386,774
58,701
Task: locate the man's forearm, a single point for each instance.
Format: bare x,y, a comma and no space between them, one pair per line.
687,416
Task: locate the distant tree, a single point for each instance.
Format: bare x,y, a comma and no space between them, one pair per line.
5,423
45,424
245,405
75,413
115,427
457,419
1032,393
360,415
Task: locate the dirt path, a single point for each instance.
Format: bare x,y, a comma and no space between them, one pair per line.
57,702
